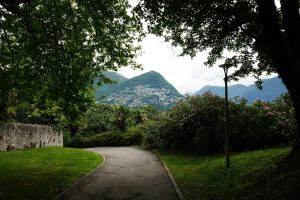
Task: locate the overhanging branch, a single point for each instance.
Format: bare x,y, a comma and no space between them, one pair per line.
14,1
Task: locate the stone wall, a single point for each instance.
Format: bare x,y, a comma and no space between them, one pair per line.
22,136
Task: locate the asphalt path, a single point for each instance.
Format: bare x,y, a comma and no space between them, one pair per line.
128,173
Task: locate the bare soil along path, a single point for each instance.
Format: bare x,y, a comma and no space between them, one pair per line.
128,173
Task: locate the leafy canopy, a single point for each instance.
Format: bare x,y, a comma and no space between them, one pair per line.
221,26
51,50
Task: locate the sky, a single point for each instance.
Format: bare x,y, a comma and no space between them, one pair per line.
187,75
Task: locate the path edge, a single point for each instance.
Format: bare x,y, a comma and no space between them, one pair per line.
78,181
179,193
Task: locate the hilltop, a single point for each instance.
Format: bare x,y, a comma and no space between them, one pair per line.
150,88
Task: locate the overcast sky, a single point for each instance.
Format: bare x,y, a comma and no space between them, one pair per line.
185,74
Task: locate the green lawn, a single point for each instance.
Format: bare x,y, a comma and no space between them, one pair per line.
205,177
42,173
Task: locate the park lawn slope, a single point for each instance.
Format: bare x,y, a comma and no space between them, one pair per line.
42,173
253,175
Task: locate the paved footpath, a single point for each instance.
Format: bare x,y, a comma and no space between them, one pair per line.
128,173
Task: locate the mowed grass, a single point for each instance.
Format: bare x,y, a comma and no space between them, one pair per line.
42,173
205,177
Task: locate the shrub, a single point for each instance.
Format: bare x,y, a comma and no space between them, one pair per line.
108,138
102,118
66,138
197,124
153,135
133,136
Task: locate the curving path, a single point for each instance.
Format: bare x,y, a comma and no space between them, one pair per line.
128,173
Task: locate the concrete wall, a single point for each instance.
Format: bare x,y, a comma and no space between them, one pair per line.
22,136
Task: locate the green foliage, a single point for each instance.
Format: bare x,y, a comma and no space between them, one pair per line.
220,26
104,89
52,51
152,133
108,138
42,173
97,119
197,124
199,25
102,117
262,36
109,125
121,118
133,136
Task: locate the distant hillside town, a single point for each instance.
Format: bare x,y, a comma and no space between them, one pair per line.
152,89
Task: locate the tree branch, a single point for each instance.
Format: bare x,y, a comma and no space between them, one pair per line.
14,1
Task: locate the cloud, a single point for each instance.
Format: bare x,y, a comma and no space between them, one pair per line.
187,75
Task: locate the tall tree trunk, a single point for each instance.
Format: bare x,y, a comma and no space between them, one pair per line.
291,77
282,48
292,82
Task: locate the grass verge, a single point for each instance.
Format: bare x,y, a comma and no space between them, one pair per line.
42,173
252,174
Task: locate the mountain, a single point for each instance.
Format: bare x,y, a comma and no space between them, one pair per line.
115,76
271,89
150,88
234,90
103,90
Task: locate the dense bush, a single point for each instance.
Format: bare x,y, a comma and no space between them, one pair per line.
197,123
101,118
133,136
108,138
97,119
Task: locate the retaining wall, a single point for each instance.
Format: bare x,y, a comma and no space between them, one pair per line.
22,136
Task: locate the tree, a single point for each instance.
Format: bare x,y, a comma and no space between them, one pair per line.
264,36
51,51
122,116
98,118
